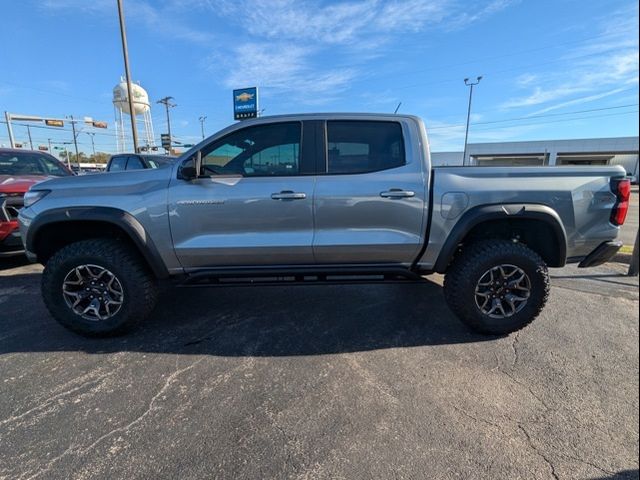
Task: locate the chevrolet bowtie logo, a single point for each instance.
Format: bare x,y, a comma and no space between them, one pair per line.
245,97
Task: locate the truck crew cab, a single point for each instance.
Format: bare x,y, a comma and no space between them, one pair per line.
315,198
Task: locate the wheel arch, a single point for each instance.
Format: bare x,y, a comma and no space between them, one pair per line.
54,229
537,226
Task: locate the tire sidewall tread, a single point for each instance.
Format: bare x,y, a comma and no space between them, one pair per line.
139,285
464,273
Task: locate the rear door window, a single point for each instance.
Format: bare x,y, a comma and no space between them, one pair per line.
363,146
118,164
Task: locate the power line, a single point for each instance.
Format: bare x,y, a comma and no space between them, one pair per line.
536,116
561,120
540,123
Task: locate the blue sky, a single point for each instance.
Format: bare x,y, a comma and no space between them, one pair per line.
552,69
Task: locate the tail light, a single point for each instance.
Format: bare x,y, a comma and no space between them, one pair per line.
622,190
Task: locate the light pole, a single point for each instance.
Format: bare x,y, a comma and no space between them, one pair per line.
93,145
466,133
166,101
202,119
127,74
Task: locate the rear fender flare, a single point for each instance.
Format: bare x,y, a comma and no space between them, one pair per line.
485,213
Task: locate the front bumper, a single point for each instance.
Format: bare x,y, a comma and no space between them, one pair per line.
601,254
10,241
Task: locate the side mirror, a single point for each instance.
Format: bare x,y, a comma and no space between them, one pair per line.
188,172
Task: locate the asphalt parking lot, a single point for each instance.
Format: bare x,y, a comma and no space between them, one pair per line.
345,381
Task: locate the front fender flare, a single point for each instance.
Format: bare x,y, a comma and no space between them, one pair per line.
119,218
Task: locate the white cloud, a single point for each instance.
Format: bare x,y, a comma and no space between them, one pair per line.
137,11
467,17
285,37
577,101
281,67
280,41
604,67
526,79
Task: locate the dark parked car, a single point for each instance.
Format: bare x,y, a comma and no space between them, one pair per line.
137,161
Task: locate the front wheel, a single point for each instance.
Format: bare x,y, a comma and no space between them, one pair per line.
98,287
497,286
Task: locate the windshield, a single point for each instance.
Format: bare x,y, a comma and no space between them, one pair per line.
30,163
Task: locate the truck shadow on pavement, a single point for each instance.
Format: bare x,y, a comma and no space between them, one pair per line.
249,321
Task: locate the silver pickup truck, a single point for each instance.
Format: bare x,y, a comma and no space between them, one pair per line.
318,198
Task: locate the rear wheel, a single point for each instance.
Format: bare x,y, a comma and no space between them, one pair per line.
98,287
497,286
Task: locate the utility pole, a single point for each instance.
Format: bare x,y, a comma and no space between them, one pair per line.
127,73
466,133
29,133
166,101
75,139
49,141
93,145
202,119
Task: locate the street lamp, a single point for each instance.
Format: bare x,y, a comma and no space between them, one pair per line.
466,133
93,145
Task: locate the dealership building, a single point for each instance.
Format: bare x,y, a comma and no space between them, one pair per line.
591,151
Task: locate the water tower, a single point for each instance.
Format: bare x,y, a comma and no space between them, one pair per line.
141,106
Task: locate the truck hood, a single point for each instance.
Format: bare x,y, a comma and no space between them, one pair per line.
108,179
20,183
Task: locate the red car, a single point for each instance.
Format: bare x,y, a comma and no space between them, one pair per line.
19,170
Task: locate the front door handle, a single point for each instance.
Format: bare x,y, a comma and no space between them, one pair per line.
288,195
397,193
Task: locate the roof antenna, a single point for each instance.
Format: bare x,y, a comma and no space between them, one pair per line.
397,108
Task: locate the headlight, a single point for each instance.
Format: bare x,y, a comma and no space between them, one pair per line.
32,196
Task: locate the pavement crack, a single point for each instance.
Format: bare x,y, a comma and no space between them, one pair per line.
529,389
476,419
147,411
514,348
51,400
49,464
371,380
124,428
585,462
499,368
539,452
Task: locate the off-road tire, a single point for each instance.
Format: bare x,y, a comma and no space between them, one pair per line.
468,268
139,285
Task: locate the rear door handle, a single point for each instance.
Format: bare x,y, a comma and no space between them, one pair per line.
397,193
288,195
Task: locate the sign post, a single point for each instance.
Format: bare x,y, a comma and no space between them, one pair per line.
245,103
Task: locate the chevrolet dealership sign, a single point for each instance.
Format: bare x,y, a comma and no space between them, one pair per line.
245,103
